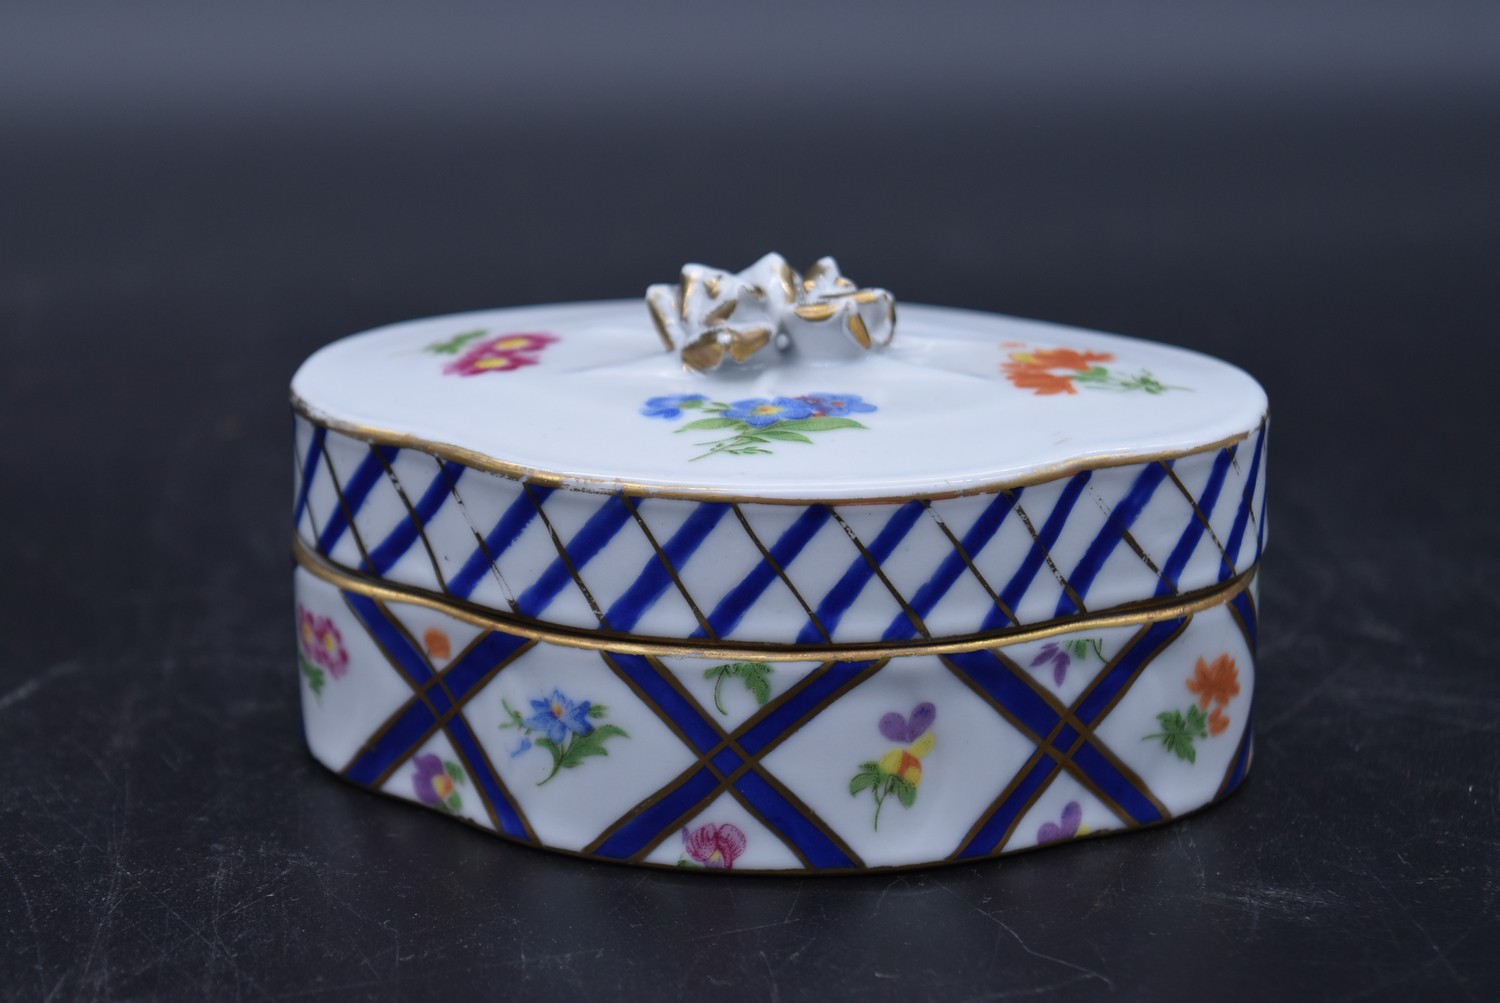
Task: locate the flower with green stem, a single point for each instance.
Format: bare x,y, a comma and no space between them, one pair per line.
755,423
564,728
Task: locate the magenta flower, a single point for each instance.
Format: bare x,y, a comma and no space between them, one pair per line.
714,846
322,642
500,353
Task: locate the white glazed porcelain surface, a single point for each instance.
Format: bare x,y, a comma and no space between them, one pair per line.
560,587
941,411
697,763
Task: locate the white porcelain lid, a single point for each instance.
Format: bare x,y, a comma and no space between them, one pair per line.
584,395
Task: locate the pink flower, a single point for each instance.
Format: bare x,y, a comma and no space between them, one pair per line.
717,846
500,353
322,642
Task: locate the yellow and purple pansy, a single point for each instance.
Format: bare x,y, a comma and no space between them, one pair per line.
1067,827
899,771
435,781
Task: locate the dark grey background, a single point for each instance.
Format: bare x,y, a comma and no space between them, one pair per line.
194,196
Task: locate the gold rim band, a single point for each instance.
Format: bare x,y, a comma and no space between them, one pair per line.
573,637
633,489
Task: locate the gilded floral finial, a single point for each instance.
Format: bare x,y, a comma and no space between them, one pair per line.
712,316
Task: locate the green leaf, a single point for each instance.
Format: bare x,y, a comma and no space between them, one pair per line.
691,405
1178,732
758,685
861,781
906,792
453,344
455,771
785,436
592,744
552,747
712,423
1097,374
516,721
454,802
818,424
598,710
718,670
315,676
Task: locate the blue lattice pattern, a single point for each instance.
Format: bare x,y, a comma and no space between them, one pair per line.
1022,754
783,573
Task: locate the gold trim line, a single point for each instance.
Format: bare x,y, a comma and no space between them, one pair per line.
760,651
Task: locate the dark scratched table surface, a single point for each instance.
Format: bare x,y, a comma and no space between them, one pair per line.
163,833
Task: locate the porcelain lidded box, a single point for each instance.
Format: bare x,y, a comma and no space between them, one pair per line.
763,574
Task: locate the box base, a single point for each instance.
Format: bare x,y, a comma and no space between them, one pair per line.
779,762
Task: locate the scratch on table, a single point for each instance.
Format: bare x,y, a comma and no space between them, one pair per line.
28,689
1083,970
771,974
36,939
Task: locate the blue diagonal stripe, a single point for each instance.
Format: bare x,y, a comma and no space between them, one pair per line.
370,470
786,716
392,638
309,469
600,528
638,833
463,739
839,598
417,720
732,608
399,540
1112,782
1020,699
683,712
1242,517
1121,518
1265,502
1245,606
1188,541
1016,588
462,676
1156,637
975,540
512,523
790,823
399,740
987,840
655,577
990,673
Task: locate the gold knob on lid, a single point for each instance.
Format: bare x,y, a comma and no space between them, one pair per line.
712,316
